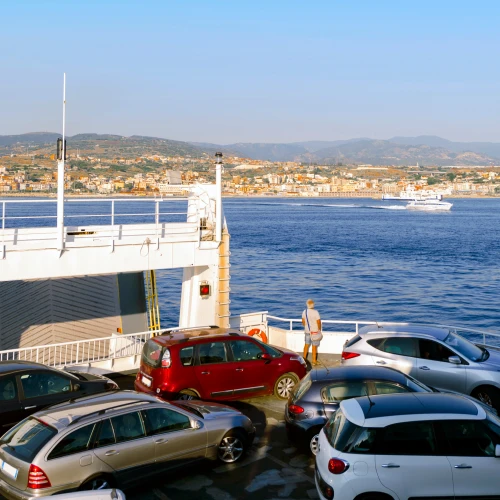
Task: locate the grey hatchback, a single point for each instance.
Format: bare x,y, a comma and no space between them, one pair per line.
115,439
438,357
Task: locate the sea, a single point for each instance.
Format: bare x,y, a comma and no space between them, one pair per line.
357,258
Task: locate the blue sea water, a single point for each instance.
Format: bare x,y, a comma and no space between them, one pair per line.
359,259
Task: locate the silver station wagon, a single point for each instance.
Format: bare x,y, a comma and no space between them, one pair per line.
113,440
438,357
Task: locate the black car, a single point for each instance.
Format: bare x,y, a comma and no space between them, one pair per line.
318,395
27,387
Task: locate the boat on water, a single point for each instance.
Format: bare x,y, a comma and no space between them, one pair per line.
430,205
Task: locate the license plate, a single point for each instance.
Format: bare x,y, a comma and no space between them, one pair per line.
146,381
9,470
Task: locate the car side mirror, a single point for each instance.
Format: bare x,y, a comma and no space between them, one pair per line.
497,450
197,424
76,387
455,360
266,357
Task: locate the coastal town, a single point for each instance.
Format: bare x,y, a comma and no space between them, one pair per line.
153,175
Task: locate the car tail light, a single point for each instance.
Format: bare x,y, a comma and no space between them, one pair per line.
337,466
37,479
166,360
349,355
295,409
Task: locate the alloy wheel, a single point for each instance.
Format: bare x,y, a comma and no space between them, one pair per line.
285,387
314,444
230,449
485,398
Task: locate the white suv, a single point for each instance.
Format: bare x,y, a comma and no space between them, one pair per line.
409,446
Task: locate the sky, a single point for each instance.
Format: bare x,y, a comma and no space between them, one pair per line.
251,70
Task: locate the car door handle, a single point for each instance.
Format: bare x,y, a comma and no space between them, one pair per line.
390,466
239,369
205,373
161,441
463,466
424,368
29,407
112,452
381,363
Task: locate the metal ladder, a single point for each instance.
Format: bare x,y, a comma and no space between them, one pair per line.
152,300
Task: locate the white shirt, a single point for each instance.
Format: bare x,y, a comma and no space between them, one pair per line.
313,317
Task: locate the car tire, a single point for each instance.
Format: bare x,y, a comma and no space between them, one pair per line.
97,483
488,395
187,395
232,447
284,385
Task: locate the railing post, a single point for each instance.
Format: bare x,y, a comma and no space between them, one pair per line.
3,230
112,226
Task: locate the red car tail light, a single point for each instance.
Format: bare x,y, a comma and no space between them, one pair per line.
349,355
337,466
295,409
37,479
166,360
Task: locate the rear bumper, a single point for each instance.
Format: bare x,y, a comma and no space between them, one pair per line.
12,493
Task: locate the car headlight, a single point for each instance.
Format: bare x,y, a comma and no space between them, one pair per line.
300,359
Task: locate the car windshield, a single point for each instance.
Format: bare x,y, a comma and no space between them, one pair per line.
466,348
271,350
26,439
415,386
152,353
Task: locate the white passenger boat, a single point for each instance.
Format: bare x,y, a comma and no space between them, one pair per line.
429,204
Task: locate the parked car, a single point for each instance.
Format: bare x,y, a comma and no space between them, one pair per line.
405,446
438,357
27,387
115,439
216,364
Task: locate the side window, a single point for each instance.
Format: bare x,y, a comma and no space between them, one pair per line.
8,388
362,441
388,388
402,346
409,438
160,420
434,351
469,438
245,350
106,435
128,427
75,442
44,383
212,352
187,356
335,393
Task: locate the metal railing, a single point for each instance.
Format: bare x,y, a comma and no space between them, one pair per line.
17,227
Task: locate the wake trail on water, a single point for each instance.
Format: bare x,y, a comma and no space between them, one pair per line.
329,205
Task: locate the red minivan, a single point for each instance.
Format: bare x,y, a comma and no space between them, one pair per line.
218,364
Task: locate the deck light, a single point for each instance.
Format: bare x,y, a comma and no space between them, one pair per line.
204,289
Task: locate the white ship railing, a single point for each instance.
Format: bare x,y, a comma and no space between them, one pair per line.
21,231
92,351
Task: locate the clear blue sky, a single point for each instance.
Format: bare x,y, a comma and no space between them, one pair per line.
252,70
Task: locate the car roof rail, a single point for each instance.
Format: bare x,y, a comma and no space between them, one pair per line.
104,410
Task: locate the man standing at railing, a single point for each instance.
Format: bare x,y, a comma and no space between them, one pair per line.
312,329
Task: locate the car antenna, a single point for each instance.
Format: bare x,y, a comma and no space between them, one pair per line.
371,402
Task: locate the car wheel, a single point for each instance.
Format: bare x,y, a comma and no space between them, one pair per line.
97,483
284,385
489,396
187,395
232,447
314,444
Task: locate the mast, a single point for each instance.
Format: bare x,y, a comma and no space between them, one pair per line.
60,177
218,199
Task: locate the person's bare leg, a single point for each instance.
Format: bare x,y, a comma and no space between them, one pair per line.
315,354
306,351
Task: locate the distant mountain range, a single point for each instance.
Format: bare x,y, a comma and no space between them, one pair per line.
426,150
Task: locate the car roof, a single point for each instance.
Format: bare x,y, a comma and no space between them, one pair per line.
429,331
383,409
355,372
64,414
171,338
17,366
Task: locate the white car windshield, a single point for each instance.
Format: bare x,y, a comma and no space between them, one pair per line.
464,347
